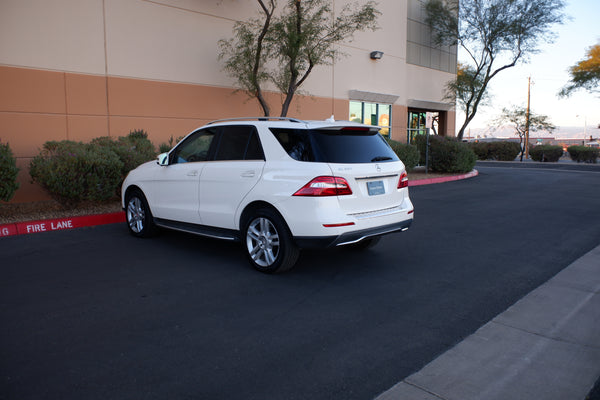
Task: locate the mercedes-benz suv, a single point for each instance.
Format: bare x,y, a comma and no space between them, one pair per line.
276,185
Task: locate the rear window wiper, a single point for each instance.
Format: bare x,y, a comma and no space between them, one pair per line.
381,158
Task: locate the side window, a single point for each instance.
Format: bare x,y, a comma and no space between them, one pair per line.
254,151
296,142
197,147
239,142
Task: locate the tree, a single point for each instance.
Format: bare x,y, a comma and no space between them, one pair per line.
284,49
461,89
518,117
585,74
495,35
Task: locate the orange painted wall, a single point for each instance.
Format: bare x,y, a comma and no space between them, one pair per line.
37,106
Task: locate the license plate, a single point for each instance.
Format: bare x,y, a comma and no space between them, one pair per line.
375,187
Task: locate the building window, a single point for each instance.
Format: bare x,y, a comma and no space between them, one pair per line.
417,124
420,48
372,114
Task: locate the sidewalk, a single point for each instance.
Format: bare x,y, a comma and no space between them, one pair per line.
546,346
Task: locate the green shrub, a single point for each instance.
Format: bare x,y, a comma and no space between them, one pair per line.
481,150
421,142
450,155
165,147
546,153
73,172
504,151
408,153
583,154
500,151
8,173
133,149
138,134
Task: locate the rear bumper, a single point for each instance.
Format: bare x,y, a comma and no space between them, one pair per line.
351,237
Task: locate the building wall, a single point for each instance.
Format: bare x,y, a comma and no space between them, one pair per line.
79,69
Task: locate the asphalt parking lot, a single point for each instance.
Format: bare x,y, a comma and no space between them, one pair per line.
94,313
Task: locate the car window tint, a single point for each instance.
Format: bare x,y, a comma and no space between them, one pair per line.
296,142
195,148
334,146
254,150
348,147
235,141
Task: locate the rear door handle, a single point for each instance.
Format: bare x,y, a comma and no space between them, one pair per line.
192,173
248,174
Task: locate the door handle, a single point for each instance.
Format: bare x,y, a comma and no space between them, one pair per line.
248,174
192,173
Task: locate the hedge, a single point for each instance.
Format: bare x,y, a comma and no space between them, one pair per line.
450,155
8,173
546,153
583,154
74,172
409,154
499,151
421,141
133,149
446,154
481,150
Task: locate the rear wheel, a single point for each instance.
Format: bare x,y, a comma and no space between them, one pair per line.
268,242
139,218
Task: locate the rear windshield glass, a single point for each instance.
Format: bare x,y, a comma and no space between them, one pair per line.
334,146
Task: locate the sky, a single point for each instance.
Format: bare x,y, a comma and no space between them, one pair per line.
549,73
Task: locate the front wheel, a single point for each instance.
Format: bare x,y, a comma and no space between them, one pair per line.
268,242
139,218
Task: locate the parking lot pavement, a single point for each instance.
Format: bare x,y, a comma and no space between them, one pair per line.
546,346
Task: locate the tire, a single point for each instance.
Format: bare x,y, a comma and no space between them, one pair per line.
138,215
365,244
268,242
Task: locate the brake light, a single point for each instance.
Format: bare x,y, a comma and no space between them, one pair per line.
403,181
325,186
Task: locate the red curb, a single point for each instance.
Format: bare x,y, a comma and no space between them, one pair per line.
24,228
47,225
430,181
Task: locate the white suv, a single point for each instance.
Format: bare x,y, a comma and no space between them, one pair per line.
276,185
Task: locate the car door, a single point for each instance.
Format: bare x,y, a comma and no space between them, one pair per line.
175,191
237,167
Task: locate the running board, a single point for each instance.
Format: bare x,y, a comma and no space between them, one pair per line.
202,230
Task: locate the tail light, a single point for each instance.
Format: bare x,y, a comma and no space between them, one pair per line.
403,181
325,186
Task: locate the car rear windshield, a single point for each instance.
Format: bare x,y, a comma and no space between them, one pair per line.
334,146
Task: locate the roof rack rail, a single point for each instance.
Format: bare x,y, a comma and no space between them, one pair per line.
258,119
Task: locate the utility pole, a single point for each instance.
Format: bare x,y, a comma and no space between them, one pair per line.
527,118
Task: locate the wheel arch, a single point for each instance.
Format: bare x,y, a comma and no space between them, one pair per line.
132,188
127,191
256,205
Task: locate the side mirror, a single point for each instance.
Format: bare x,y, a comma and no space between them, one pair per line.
163,159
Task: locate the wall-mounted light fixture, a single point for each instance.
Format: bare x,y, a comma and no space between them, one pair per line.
376,55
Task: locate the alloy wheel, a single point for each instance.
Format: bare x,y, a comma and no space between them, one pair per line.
136,215
262,241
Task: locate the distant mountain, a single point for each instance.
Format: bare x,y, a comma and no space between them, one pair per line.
561,132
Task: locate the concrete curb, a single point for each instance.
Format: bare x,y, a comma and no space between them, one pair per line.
24,228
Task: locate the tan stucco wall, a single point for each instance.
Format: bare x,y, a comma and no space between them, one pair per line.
79,69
